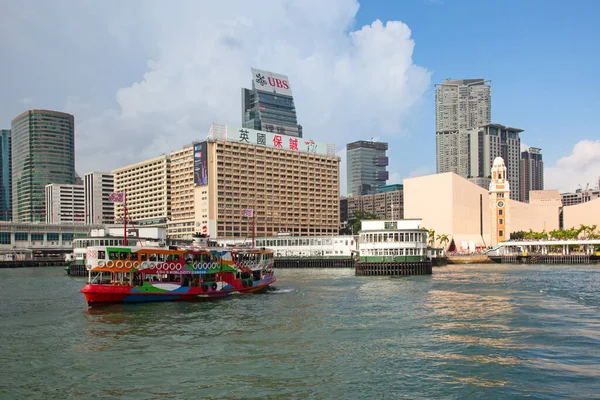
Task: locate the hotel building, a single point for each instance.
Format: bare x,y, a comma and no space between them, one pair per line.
97,188
43,152
183,218
291,184
148,195
64,204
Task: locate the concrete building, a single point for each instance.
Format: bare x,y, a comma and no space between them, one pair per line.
579,196
531,173
183,217
460,105
269,105
147,188
43,152
97,188
291,185
65,204
366,164
389,241
388,204
5,176
469,214
490,141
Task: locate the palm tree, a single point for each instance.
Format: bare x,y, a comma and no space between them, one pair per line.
443,239
431,237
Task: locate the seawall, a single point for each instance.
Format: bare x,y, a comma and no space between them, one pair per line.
470,259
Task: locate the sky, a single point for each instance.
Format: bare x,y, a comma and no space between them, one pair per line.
147,77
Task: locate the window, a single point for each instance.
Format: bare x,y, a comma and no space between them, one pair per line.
52,236
21,236
4,237
500,212
37,236
500,233
500,221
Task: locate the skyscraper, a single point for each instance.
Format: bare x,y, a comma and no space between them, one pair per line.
460,105
269,105
5,178
366,164
97,188
531,173
488,142
43,152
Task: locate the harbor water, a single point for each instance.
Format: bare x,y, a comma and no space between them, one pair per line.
467,331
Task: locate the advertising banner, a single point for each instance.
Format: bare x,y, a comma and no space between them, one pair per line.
200,164
267,81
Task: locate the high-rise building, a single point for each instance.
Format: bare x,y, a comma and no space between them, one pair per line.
269,105
43,152
64,203
531,173
5,176
97,188
147,191
366,164
460,105
289,185
488,142
183,218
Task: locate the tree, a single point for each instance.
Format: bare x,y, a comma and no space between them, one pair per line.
443,239
354,222
431,237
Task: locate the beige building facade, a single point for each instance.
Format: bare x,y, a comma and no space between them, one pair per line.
147,188
290,184
451,205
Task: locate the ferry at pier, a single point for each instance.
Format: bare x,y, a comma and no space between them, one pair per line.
124,274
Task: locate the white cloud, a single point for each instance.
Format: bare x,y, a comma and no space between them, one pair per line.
421,171
348,84
583,163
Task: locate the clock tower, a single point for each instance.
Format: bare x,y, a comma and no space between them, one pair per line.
499,194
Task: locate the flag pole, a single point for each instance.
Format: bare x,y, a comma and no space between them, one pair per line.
252,228
125,217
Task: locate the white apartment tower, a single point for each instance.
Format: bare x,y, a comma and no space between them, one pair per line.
148,195
460,105
97,188
64,204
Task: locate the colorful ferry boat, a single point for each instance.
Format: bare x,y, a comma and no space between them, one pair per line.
144,274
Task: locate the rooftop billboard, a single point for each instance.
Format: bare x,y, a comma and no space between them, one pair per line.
267,81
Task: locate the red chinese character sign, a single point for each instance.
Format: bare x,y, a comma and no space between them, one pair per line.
279,141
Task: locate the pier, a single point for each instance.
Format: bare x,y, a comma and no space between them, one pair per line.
393,268
305,262
577,251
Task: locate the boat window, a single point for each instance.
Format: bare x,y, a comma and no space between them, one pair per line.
143,256
113,255
101,254
153,257
172,257
123,255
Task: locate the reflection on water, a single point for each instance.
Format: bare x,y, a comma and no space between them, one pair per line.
466,332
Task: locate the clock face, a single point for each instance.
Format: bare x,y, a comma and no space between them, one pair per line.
500,203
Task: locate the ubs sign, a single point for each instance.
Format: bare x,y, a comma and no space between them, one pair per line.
267,81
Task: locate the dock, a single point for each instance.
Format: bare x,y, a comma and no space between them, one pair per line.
408,268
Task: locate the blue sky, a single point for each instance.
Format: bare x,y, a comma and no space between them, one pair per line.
541,57
144,78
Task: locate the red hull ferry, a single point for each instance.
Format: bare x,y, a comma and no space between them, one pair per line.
138,274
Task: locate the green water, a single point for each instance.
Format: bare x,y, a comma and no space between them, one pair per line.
481,332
